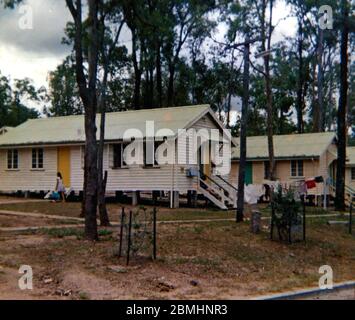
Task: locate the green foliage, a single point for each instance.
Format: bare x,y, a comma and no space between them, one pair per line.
63,232
63,94
287,215
69,232
287,210
172,50
13,110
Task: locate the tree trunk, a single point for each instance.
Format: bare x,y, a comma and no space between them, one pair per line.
341,130
104,219
315,106
82,212
101,181
320,80
270,122
137,74
299,105
229,105
171,85
88,95
159,76
90,126
151,87
90,199
243,139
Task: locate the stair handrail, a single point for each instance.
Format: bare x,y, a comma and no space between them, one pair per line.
346,187
209,178
227,182
219,192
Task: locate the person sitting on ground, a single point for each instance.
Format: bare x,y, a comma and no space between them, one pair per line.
60,187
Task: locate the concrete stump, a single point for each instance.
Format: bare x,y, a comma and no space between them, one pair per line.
255,223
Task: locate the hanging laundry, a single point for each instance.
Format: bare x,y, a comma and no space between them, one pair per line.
302,188
311,184
252,193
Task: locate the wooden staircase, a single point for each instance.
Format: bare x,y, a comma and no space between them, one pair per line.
349,193
218,192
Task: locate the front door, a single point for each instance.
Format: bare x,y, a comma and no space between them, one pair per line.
249,173
64,164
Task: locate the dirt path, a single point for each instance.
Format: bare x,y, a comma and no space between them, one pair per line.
11,200
38,215
46,217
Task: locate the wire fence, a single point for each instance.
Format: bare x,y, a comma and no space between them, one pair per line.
138,233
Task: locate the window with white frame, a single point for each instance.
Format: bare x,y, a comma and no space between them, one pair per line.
37,158
297,168
12,159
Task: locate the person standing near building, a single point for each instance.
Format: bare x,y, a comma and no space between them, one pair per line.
60,187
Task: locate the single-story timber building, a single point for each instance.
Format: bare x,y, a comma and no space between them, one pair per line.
298,157
32,153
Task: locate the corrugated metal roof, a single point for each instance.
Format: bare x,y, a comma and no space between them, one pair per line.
70,129
4,130
350,155
287,146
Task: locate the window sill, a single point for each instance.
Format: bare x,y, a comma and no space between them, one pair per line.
120,168
151,167
34,169
12,170
297,177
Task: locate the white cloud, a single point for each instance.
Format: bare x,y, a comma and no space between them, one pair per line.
33,53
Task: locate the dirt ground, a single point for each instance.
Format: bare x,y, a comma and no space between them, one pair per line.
196,260
7,221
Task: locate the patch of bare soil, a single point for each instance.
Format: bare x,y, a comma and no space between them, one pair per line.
195,261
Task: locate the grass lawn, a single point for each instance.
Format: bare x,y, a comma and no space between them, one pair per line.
223,259
72,209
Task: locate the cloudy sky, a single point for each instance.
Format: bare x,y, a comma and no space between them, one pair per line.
34,52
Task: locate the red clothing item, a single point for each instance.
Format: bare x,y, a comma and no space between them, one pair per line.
311,184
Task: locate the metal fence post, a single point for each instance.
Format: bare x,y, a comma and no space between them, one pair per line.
129,236
304,220
154,233
351,218
272,222
121,232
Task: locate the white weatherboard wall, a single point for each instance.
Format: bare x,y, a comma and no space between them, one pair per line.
134,178
25,178
138,178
